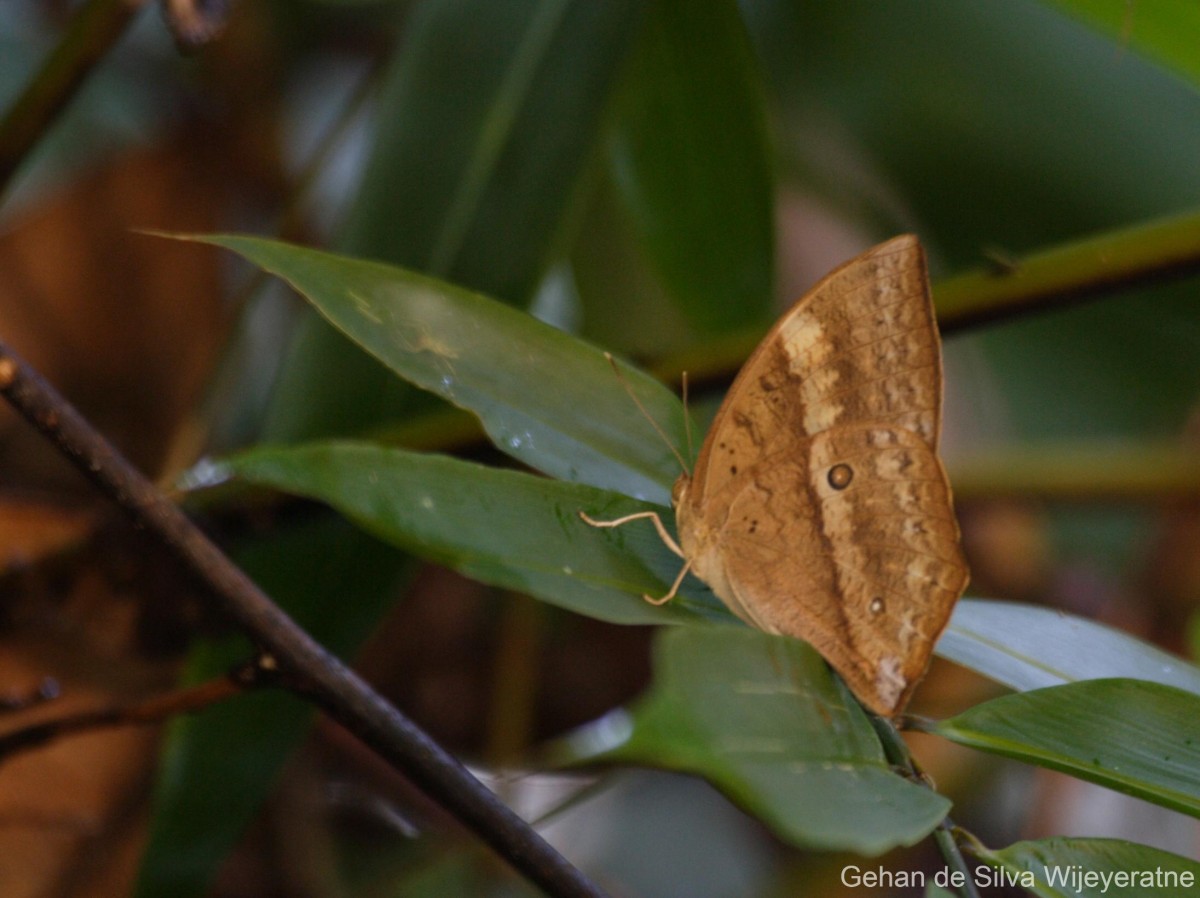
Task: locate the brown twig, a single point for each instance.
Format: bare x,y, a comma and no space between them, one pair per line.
309,670
150,711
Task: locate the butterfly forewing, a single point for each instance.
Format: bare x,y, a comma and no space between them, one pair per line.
860,346
867,572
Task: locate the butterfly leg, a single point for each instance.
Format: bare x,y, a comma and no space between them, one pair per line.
674,587
652,515
667,539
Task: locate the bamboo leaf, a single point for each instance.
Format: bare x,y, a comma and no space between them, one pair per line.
691,157
1129,735
488,117
1089,868
502,527
1027,647
764,720
544,397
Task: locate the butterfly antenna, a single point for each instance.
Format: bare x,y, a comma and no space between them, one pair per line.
687,420
645,414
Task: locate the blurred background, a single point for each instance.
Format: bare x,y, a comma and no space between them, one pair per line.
662,177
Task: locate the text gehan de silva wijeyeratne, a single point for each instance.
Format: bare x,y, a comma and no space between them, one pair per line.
1068,878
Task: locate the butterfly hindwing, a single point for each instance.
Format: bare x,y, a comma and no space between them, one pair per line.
873,604
902,570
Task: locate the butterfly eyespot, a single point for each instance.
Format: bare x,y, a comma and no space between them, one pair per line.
840,476
876,605
733,469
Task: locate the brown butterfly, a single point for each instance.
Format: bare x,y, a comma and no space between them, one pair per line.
818,507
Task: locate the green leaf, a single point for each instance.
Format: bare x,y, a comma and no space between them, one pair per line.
936,891
1164,32
488,116
502,527
490,112
1027,647
690,154
1054,868
623,302
762,718
544,397
220,765
1130,735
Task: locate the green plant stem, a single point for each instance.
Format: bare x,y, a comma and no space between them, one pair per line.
897,753
1080,472
1053,278
1056,471
93,31
947,844
1083,269
517,668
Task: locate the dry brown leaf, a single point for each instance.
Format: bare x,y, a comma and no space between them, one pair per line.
127,325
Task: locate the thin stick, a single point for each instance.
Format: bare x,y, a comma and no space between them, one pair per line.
309,670
150,711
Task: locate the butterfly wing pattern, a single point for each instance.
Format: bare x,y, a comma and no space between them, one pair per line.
819,507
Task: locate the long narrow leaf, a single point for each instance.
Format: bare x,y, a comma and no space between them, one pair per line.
544,397
503,527
489,115
692,160
1027,647
1130,735
1089,868
493,111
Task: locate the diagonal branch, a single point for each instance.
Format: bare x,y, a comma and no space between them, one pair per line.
306,667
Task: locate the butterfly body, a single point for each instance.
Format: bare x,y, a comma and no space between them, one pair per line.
818,507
